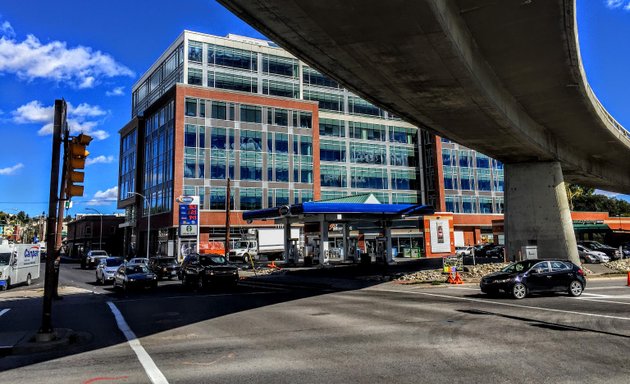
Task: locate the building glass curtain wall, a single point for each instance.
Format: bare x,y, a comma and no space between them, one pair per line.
361,148
473,182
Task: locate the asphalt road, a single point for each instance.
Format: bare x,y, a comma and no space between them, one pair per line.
384,333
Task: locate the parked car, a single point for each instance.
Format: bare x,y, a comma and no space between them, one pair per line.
531,276
589,256
496,251
138,260
106,270
93,258
129,277
463,251
611,252
164,267
481,249
204,270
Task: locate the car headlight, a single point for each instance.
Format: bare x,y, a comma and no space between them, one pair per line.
234,272
130,279
502,281
210,273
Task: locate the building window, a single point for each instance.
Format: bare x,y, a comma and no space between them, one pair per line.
332,176
251,141
251,198
232,57
332,151
367,153
281,117
233,82
313,77
367,131
195,76
404,179
281,88
190,107
280,66
403,135
218,110
375,178
251,114
358,106
331,127
327,101
251,166
195,51
485,205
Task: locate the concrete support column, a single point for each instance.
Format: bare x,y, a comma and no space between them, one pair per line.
389,257
537,211
346,235
323,246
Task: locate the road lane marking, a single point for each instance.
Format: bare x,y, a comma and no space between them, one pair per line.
508,304
598,300
149,366
604,288
2,312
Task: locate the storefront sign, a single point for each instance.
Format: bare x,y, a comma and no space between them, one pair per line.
440,236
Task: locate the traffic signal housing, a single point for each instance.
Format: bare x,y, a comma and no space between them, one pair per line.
75,162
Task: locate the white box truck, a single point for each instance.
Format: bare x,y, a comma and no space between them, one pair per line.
259,242
19,263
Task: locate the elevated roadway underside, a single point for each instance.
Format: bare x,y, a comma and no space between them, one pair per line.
502,77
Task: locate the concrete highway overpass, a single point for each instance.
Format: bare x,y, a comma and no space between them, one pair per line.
502,77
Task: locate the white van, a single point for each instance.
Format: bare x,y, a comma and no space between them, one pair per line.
19,263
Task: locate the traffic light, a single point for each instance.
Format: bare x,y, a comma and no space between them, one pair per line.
75,161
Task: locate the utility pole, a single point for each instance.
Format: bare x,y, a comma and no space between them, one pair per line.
227,221
46,330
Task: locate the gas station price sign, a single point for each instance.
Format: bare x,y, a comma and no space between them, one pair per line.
188,215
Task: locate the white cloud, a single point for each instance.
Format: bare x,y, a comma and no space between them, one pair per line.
614,4
118,91
80,67
6,30
78,118
99,160
8,171
104,197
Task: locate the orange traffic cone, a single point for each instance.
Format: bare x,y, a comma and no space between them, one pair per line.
450,279
458,279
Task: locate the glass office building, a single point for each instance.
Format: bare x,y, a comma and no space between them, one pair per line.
212,108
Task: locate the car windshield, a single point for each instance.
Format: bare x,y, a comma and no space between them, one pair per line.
241,244
5,258
212,260
166,261
138,261
113,262
140,268
519,266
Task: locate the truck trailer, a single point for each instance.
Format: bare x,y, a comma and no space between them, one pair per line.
259,242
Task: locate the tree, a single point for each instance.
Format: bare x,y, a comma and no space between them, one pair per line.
585,199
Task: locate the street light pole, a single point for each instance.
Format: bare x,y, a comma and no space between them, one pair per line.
100,233
148,218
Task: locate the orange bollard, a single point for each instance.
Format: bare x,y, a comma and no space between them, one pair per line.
628,283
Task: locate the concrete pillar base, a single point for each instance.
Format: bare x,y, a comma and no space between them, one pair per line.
537,212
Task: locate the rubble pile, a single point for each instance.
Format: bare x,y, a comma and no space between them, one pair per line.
423,276
480,270
622,265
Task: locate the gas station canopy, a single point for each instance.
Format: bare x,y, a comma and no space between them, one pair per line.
357,211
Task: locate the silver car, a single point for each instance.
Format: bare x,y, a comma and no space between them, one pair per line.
106,270
590,256
138,260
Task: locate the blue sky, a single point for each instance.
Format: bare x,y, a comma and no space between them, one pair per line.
91,53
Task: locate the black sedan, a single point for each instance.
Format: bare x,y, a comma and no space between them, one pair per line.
531,276
204,270
134,276
164,267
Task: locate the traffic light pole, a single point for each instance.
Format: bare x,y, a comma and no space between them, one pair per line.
46,330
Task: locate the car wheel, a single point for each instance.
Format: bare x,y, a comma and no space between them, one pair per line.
199,283
575,288
28,280
519,291
246,258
